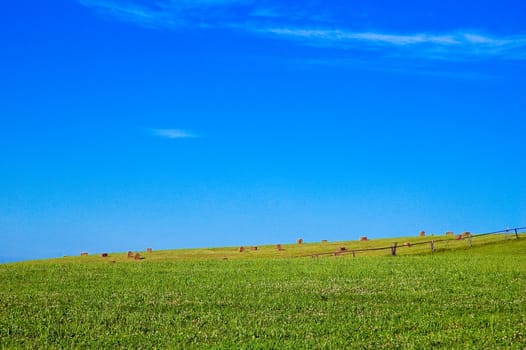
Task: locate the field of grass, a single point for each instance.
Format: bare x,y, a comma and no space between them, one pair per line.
459,297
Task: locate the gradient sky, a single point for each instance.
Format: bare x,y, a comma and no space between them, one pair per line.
126,125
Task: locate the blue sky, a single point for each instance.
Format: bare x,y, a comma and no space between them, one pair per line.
128,124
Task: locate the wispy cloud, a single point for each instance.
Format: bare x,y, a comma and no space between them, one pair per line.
170,14
342,37
173,133
130,12
266,19
455,45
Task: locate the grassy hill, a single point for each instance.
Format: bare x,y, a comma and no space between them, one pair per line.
458,297
376,247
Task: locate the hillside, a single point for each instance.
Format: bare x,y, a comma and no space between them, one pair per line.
375,247
458,297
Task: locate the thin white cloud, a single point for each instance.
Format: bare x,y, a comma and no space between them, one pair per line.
341,36
173,133
200,3
257,17
129,12
448,45
480,39
167,14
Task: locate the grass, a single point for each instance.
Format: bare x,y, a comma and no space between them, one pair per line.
419,245
456,298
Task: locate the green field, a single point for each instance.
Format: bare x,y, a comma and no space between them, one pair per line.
459,297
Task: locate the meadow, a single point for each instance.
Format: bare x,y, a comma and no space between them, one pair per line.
458,297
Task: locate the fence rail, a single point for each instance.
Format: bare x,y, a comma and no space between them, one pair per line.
432,243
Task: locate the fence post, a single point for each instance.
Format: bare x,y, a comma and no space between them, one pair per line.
432,246
516,234
353,254
393,249
470,242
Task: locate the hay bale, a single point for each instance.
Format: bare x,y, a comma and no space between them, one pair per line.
449,233
466,234
130,254
300,240
149,250
254,248
278,247
458,237
323,241
103,255
84,254
137,256
241,249
422,233
342,249
363,238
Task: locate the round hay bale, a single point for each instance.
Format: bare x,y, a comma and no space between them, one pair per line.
300,241
449,233
149,250
466,234
363,238
137,256
422,233
103,255
342,249
254,248
84,254
458,237
130,254
278,247
241,249
323,241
